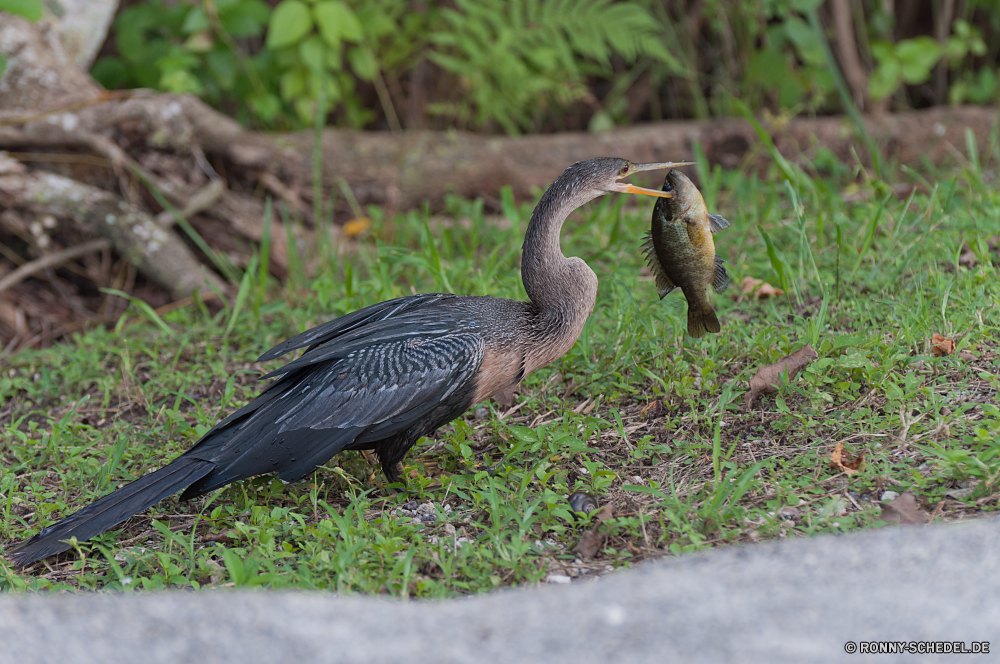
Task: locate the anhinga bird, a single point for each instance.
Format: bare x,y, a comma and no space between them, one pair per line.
382,377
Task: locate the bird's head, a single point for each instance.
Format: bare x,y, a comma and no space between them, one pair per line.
586,180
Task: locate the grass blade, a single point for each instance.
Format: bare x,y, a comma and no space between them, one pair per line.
144,309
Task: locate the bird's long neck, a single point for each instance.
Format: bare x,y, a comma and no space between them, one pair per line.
563,289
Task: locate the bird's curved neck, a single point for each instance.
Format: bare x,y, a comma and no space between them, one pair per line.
549,276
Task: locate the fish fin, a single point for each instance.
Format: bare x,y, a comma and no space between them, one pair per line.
701,321
663,283
721,279
718,222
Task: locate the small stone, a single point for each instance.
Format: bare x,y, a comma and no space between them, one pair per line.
582,502
888,496
789,513
558,579
449,530
481,413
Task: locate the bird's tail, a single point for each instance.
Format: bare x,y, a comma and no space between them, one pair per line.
702,320
110,510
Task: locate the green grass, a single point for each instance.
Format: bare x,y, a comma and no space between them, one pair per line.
637,413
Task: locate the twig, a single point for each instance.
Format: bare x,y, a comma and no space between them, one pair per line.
105,95
58,158
943,28
202,200
52,260
287,194
847,49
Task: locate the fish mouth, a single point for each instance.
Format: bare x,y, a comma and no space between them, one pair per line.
681,188
626,188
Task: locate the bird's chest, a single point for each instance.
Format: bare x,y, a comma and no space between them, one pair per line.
502,368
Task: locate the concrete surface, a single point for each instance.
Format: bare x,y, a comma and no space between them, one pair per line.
794,601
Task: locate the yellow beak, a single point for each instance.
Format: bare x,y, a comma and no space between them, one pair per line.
625,188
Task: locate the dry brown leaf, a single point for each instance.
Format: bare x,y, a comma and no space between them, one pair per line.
356,227
941,345
904,511
839,460
228,537
756,288
593,539
769,378
968,258
966,355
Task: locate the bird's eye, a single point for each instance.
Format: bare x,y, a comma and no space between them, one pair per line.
625,168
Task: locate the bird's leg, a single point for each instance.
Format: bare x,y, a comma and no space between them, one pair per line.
394,473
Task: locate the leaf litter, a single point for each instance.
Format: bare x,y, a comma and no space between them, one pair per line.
848,466
904,511
769,378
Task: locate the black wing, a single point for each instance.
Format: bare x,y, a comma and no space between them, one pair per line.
370,382
352,321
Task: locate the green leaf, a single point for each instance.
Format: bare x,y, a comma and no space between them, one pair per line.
601,121
234,565
882,50
109,71
767,67
292,84
337,22
29,9
845,340
3,64
290,22
884,80
195,21
179,81
265,106
312,52
363,63
916,58
805,42
245,18
375,21
223,66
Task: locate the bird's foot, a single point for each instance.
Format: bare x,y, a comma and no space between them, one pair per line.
395,475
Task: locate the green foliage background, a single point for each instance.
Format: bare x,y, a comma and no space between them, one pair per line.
535,65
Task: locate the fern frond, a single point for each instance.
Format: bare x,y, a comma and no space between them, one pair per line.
515,57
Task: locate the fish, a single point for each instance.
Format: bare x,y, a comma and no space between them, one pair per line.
681,252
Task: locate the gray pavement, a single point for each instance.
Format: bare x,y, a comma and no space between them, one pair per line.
793,601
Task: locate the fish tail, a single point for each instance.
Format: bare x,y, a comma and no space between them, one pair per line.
702,320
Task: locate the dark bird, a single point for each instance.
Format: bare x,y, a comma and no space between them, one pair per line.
383,376
681,252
